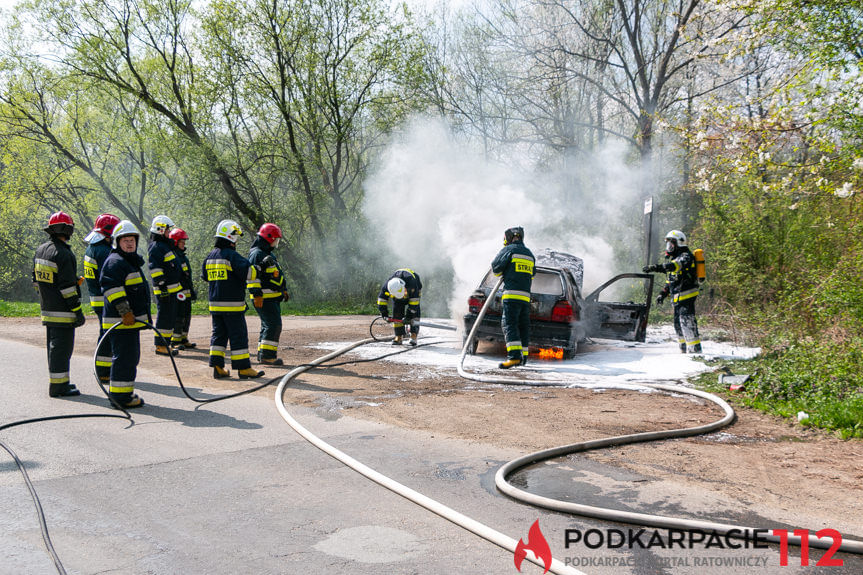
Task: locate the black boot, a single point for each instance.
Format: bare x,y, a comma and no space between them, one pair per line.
63,390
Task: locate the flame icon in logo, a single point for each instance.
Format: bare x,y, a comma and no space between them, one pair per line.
537,544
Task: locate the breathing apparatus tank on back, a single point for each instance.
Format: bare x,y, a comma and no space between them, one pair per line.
700,268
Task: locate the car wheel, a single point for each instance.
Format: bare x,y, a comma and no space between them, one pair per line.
569,353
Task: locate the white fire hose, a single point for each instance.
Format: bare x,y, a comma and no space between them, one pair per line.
508,469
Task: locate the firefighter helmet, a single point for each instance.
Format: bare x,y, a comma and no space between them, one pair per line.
396,288
125,228
676,236
161,225
102,229
230,230
514,234
178,234
60,223
272,233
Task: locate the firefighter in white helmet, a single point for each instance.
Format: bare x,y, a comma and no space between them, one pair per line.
166,275
229,275
681,283
127,301
404,287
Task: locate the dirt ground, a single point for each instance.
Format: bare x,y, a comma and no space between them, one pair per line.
772,466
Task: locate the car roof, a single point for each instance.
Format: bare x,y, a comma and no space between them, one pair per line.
549,258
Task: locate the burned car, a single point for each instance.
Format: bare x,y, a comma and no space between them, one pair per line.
560,317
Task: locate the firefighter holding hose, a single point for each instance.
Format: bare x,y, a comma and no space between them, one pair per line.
515,262
404,288
681,283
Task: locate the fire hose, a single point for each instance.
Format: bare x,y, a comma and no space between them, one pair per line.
508,469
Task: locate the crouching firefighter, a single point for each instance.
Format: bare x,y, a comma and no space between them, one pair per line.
229,275
404,287
98,248
127,300
55,276
681,284
165,273
515,262
273,290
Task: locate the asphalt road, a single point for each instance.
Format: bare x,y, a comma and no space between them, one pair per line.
230,488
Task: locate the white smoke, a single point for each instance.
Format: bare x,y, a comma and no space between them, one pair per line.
442,209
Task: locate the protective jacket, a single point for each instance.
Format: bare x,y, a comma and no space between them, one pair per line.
94,259
229,275
55,274
516,263
272,279
124,288
413,285
164,269
681,281
186,284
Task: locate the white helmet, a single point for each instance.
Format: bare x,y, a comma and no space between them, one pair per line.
230,230
161,225
396,288
124,228
678,237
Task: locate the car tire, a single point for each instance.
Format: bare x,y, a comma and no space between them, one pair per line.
569,353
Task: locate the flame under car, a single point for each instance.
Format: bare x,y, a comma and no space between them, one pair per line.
560,317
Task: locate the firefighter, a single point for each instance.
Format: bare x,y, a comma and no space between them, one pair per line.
165,273
98,247
127,300
229,275
56,279
404,288
185,297
681,283
273,289
515,262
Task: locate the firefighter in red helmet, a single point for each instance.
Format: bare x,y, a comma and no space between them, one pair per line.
98,247
185,297
273,290
55,276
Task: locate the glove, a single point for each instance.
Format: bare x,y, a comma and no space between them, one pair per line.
259,301
79,319
653,268
80,280
286,296
128,318
660,298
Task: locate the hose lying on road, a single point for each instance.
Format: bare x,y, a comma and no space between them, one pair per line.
625,516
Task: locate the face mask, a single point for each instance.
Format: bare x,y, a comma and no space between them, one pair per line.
669,247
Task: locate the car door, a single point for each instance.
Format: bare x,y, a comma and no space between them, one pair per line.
618,309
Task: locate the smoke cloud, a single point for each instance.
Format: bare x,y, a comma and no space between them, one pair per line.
441,208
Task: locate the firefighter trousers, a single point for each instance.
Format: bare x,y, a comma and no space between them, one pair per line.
230,327
182,322
126,353
516,327
685,323
271,328
408,314
166,315
60,344
103,354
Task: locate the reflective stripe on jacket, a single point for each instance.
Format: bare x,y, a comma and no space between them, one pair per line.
517,266
55,275
229,275
94,260
122,280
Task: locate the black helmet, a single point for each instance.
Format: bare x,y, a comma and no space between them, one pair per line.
515,234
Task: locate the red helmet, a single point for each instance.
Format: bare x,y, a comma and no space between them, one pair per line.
105,224
270,232
178,234
60,223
